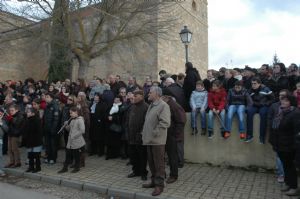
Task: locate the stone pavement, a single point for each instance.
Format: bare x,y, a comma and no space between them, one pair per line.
195,181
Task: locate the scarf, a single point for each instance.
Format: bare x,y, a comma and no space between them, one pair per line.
114,108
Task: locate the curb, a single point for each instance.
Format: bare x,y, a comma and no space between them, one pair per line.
82,186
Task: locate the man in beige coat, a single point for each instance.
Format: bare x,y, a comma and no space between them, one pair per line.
157,122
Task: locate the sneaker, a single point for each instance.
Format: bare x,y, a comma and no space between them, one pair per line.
249,139
203,131
292,192
280,179
226,135
63,170
242,136
285,188
51,162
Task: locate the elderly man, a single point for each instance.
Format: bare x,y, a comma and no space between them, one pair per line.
154,135
174,90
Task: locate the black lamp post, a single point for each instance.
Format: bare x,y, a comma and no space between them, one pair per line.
186,37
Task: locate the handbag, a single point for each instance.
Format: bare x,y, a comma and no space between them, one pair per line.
115,128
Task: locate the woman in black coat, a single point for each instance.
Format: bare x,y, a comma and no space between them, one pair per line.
99,110
282,138
32,138
189,84
115,129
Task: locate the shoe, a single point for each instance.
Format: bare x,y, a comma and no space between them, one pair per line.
171,179
157,191
242,136
51,162
132,175
63,170
210,134
226,135
128,163
36,170
249,139
203,131
46,161
16,165
72,166
75,170
9,165
292,192
280,179
150,185
285,188
29,170
144,178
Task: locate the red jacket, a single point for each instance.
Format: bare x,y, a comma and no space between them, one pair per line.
217,99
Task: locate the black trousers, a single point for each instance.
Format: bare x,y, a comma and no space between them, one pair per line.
97,147
72,154
171,148
138,159
289,167
51,147
34,160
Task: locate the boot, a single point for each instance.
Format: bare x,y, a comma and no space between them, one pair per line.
31,162
37,163
82,159
64,169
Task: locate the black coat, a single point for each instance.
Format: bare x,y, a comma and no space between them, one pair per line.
283,138
281,83
15,125
32,136
113,139
98,122
189,84
51,118
229,83
177,92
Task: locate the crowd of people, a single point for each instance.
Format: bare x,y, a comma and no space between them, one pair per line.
111,118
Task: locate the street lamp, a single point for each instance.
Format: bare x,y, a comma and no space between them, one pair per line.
186,37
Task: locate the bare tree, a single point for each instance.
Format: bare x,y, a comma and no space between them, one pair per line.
95,26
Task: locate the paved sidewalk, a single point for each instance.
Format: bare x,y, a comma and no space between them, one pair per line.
195,181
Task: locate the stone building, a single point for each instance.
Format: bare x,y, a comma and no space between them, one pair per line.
26,51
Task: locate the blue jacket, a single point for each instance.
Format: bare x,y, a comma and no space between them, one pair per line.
198,99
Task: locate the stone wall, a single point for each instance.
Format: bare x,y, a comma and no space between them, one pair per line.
232,151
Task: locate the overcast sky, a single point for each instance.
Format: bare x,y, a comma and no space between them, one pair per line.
249,32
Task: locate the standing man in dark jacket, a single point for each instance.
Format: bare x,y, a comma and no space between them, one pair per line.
138,152
175,136
192,76
51,121
174,90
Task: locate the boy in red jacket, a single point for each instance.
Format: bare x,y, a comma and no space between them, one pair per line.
216,104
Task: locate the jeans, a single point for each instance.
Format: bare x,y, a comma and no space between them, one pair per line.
263,113
240,110
194,115
279,167
1,159
211,120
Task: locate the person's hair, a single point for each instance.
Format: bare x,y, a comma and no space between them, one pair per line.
14,106
31,110
171,80
74,109
256,79
174,77
37,101
291,98
282,67
266,65
295,67
162,72
238,83
188,65
157,90
180,76
50,95
199,82
120,97
217,83
285,90
98,94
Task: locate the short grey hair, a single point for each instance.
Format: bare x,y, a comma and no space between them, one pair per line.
157,90
170,80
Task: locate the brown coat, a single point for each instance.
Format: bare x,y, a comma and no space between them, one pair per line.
157,122
178,120
136,119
